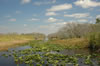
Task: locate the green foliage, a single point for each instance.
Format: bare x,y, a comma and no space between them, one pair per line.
97,20
94,41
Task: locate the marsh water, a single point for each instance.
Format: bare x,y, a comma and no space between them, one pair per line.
9,61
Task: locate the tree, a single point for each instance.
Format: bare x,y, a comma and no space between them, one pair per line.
97,20
73,30
76,30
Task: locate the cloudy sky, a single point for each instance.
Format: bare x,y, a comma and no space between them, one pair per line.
45,16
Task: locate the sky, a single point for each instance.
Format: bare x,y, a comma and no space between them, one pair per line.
45,16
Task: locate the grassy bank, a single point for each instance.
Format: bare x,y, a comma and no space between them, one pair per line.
14,37
5,45
13,40
72,43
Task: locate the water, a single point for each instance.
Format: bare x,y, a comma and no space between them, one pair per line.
9,61
46,39
81,60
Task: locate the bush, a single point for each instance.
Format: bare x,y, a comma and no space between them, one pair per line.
94,41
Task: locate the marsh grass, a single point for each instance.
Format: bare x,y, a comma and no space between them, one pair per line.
13,40
94,41
13,37
4,46
72,43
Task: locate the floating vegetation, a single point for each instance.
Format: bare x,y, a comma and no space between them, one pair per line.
5,55
88,60
48,54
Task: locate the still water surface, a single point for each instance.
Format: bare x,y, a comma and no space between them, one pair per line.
10,61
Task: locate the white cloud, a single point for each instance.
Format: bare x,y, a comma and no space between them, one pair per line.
12,20
50,14
53,25
38,3
51,19
25,1
82,20
78,21
77,15
98,16
33,19
62,23
51,28
60,7
87,3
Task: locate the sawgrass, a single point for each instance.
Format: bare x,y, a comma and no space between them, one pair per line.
72,43
12,40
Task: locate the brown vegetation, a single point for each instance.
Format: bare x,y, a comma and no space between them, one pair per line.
6,45
74,42
14,39
76,34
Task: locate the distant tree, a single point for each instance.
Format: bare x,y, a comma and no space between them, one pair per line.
97,20
71,30
76,30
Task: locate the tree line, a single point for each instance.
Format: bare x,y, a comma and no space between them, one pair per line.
88,31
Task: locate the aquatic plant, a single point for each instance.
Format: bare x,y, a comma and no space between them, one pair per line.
5,55
44,53
88,60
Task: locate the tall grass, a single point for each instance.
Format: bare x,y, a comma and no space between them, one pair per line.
72,43
14,36
94,41
13,39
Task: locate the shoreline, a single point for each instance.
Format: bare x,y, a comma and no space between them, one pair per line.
5,45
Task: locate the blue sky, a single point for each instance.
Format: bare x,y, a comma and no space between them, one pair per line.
45,16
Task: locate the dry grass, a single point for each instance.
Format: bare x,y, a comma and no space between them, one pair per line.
13,40
7,38
79,42
9,44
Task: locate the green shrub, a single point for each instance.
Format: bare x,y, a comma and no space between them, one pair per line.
94,41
